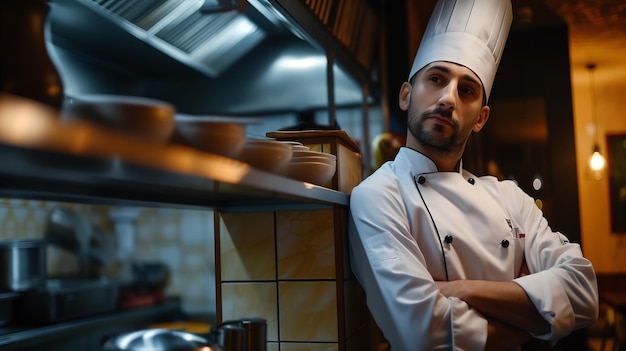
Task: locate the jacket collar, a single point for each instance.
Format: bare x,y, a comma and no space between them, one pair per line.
417,163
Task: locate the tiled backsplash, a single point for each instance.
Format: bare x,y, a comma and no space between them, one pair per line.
282,266
181,238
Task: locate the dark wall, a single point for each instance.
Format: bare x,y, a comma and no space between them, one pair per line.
535,64
397,67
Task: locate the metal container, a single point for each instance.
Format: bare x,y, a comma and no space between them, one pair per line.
22,265
159,340
254,336
232,337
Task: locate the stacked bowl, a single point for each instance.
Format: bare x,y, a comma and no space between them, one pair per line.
147,118
219,135
266,154
310,166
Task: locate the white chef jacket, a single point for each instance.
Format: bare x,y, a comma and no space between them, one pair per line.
412,225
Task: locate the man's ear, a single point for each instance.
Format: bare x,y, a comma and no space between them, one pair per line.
404,97
482,118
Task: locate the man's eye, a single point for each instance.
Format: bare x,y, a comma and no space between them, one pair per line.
435,79
467,91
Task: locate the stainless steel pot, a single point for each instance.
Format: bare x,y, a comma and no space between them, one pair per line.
22,265
159,340
245,334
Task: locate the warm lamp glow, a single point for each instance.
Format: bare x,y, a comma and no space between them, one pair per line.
596,165
596,162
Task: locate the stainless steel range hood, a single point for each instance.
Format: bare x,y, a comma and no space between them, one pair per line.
228,42
208,41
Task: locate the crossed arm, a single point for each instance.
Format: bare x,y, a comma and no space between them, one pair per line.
510,313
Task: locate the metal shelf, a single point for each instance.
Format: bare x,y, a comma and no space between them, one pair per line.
46,158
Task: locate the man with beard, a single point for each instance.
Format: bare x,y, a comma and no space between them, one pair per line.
449,260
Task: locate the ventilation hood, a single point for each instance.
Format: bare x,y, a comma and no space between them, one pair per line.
206,40
227,42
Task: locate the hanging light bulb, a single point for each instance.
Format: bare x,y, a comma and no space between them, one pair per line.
596,164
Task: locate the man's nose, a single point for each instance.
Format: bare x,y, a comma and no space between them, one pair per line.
448,96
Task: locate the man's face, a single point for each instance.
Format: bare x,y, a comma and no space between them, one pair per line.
444,105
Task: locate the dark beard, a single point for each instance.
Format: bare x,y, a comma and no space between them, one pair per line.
433,138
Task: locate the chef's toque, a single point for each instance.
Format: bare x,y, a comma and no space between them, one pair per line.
471,33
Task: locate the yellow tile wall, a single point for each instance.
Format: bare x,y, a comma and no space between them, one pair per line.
282,266
308,311
305,244
247,252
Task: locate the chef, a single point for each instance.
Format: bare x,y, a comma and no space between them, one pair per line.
449,260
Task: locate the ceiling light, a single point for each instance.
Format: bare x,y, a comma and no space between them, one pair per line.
596,164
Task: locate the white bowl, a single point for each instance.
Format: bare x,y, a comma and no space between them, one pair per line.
148,118
220,136
269,155
318,173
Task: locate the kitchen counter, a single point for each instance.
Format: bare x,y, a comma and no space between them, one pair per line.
47,158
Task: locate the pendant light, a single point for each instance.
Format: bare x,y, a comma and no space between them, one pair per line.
596,164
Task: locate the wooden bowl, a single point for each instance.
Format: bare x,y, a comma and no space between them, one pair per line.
222,136
147,118
269,155
318,173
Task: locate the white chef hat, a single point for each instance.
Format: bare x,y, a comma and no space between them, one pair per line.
471,33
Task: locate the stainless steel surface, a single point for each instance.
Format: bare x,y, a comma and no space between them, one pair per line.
254,333
261,43
159,340
231,337
22,264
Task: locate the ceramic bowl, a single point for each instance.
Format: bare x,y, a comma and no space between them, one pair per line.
323,159
269,155
309,153
222,136
318,173
147,118
296,145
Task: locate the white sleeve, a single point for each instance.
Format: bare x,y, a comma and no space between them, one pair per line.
562,284
401,294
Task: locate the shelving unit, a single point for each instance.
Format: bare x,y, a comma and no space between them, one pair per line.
46,158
